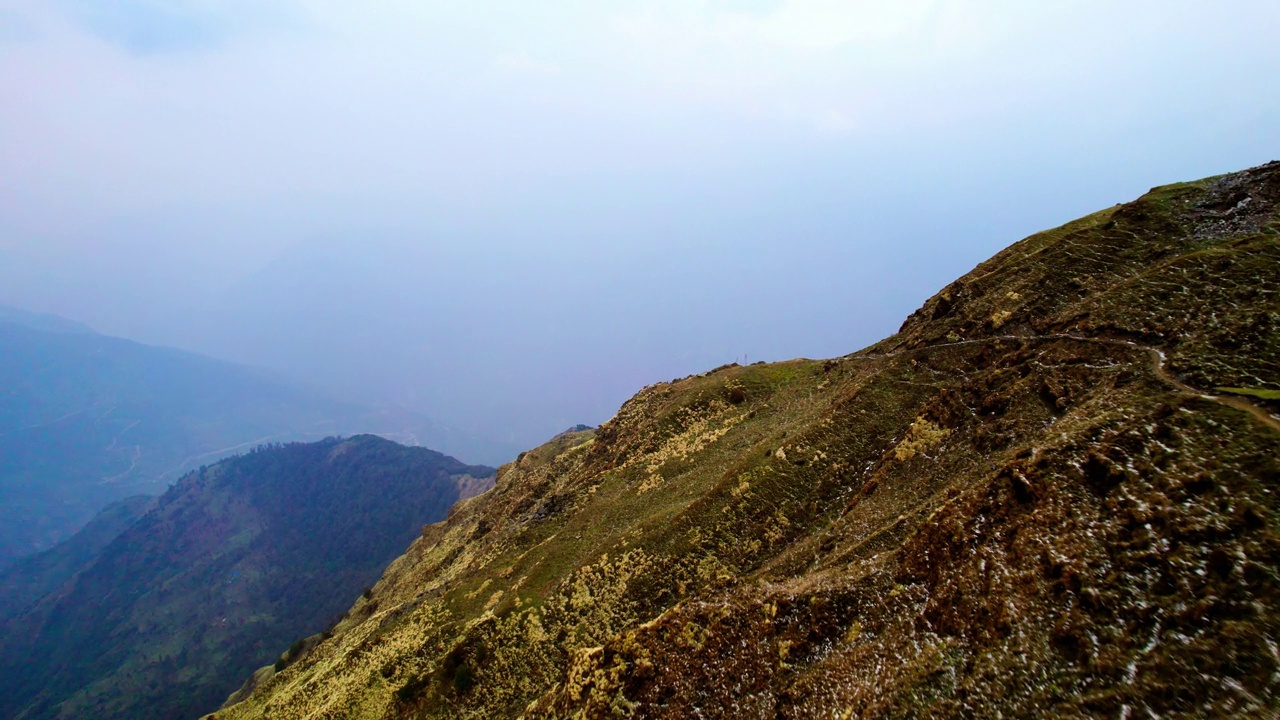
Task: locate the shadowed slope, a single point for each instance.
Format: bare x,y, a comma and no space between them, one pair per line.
231,565
31,578
87,419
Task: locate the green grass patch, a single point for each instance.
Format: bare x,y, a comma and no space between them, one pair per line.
1263,393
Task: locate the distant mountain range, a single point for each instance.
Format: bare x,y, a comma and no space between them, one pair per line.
43,321
87,419
159,607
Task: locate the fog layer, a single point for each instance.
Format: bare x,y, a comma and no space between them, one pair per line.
511,216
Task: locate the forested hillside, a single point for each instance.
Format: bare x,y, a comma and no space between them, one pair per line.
88,419
230,566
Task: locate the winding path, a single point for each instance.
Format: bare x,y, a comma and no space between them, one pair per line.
1156,355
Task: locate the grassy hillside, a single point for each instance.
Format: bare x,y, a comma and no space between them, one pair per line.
1028,502
87,419
231,565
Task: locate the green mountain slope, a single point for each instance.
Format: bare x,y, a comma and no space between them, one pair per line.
1028,502
31,578
87,419
232,564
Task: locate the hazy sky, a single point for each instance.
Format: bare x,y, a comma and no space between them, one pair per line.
512,215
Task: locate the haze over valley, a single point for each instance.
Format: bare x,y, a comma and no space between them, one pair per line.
509,218
87,420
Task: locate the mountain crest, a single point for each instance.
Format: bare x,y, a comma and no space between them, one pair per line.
1052,492
218,576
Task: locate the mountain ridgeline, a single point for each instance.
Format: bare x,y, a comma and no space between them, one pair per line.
216,578
35,576
89,419
1052,492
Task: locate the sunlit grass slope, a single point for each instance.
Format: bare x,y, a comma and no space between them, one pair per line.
1030,501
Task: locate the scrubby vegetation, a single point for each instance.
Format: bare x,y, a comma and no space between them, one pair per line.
1030,501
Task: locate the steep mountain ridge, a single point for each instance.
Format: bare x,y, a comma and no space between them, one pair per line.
1051,493
31,578
89,419
220,574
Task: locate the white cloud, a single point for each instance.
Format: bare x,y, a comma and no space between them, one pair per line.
522,63
835,122
818,25
372,99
